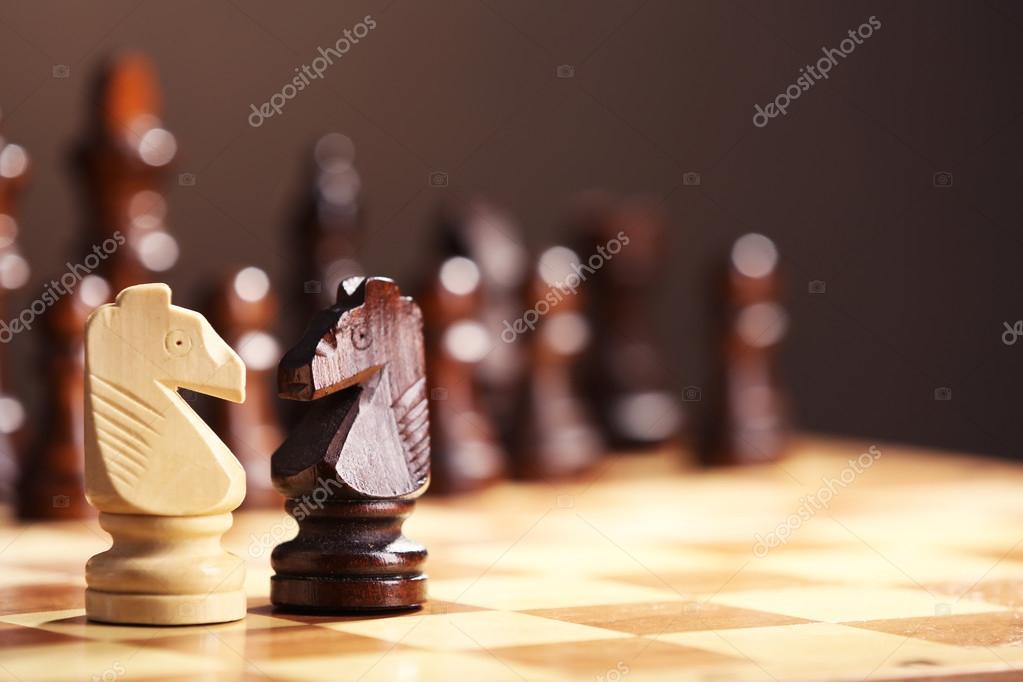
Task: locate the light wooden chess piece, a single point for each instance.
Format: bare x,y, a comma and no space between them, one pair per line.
164,484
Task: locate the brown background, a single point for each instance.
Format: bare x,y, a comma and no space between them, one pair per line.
919,278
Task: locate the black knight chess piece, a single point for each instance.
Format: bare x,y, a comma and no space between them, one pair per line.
359,457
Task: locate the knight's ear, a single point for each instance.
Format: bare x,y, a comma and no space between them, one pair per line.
156,295
380,290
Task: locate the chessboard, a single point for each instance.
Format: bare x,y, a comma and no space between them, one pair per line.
910,566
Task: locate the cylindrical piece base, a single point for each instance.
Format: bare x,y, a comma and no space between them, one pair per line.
165,570
348,556
340,595
164,609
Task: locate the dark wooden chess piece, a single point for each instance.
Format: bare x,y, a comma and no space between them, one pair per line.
466,453
52,485
746,422
557,437
353,466
624,372
122,164
327,236
489,237
243,311
14,272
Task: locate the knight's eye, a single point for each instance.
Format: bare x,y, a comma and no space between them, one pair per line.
361,338
177,342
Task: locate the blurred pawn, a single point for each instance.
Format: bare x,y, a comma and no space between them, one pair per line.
52,483
556,437
746,420
490,238
243,311
625,372
466,454
14,273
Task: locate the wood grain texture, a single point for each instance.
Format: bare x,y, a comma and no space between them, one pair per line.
164,483
358,458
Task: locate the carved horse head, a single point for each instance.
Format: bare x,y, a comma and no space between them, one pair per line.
146,449
361,364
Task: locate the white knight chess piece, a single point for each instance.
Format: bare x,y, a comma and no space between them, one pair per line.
164,483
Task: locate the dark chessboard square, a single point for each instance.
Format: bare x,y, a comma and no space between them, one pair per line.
43,597
968,629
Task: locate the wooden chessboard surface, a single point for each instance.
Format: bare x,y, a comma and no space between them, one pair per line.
646,570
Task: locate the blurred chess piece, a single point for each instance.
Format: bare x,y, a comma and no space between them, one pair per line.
327,235
747,421
122,164
556,437
625,378
466,453
489,238
52,485
14,273
244,311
